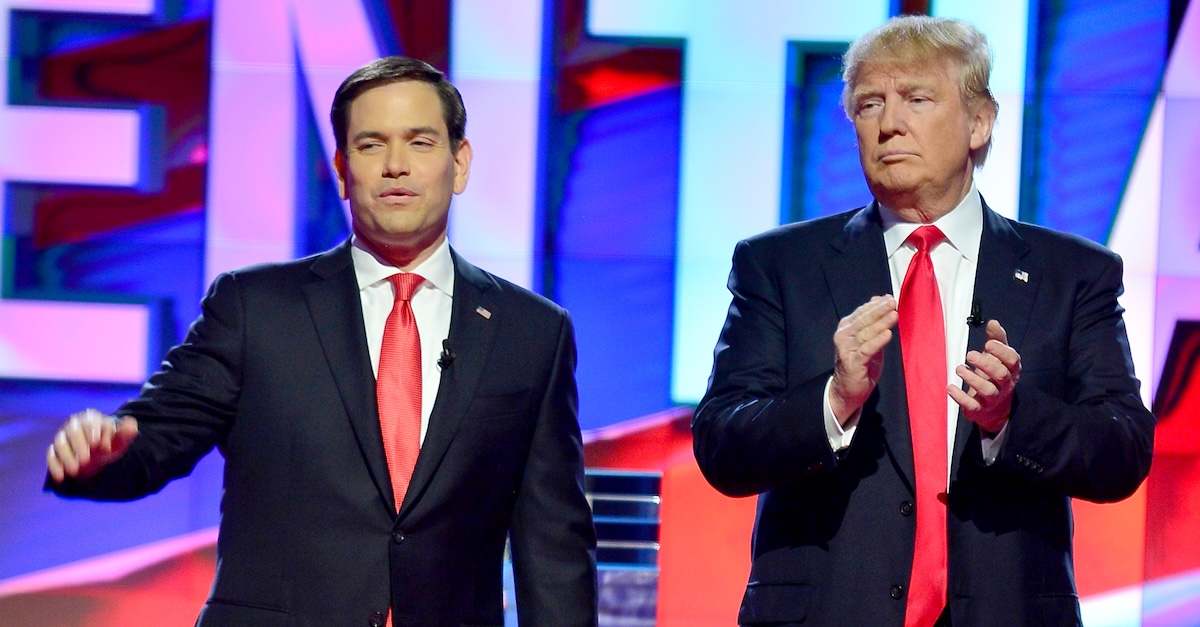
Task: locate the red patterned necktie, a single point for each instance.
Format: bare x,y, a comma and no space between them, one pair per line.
398,386
923,347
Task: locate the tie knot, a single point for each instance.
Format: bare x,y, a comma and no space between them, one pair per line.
926,237
406,283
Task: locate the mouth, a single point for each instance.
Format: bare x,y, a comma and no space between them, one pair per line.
398,194
895,156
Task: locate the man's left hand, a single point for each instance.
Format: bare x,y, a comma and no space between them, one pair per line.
991,377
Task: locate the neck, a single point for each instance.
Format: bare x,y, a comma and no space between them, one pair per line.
405,258
924,206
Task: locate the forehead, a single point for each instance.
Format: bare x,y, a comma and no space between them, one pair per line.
933,73
411,103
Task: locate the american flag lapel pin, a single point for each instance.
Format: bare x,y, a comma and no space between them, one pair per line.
487,315
1021,276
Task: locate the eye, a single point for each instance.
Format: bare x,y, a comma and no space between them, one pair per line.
421,143
869,107
368,147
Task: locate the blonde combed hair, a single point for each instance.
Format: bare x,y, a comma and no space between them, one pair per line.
911,40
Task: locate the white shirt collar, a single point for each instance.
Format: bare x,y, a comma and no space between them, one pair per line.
962,226
370,269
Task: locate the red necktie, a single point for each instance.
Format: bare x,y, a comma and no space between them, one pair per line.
923,347
398,386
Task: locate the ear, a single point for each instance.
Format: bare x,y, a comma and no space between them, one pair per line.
982,119
339,167
462,166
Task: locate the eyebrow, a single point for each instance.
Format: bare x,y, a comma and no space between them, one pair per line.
862,94
902,87
422,130
914,85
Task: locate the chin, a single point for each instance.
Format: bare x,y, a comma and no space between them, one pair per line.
892,188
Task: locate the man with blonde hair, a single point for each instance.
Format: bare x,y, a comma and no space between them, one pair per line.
915,455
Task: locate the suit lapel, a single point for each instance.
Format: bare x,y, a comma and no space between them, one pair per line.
1004,291
474,319
336,310
857,271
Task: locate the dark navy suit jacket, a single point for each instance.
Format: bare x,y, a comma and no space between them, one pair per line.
834,533
276,374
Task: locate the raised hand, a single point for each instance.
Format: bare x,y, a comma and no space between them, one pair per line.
858,361
87,442
991,379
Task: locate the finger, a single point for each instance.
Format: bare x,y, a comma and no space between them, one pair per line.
980,385
887,320
875,309
92,428
874,346
54,466
870,311
878,332
967,402
64,453
108,431
996,332
860,317
988,366
1006,354
101,426
77,437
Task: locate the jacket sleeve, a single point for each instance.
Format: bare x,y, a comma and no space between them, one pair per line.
1081,428
552,535
751,431
184,410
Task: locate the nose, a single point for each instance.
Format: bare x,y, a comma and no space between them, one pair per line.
892,119
396,163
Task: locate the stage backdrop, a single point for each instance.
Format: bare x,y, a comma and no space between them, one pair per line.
622,147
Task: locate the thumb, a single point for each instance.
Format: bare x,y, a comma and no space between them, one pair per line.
127,430
996,332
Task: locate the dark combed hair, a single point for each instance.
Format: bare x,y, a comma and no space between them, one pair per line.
396,69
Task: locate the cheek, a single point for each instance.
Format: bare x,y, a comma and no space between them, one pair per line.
864,147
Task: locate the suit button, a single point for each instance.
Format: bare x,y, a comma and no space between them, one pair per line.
897,592
397,537
376,620
906,508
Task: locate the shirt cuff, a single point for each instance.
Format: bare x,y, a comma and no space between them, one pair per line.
991,445
839,435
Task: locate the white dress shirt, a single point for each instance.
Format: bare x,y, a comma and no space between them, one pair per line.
431,308
955,259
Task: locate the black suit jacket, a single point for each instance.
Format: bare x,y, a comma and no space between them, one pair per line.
276,374
834,533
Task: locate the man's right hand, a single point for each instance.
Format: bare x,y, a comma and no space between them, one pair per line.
858,362
87,442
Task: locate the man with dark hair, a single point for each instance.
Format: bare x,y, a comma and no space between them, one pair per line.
392,70
388,412
924,479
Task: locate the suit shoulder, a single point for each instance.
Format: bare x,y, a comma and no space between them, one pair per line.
803,235
274,279
1059,243
527,296
334,258
512,294
823,228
